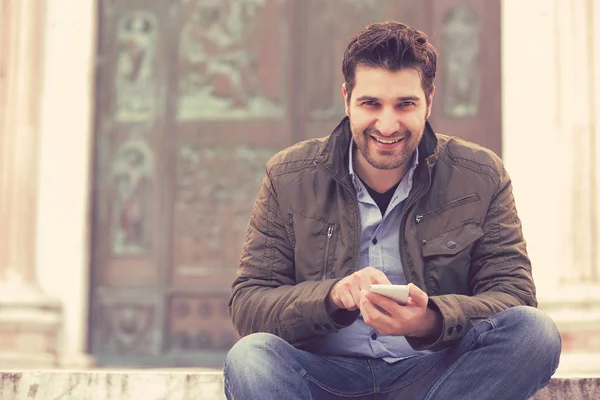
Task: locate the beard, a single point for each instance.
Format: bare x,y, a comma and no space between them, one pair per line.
386,160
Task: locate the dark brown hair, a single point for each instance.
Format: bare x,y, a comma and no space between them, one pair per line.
393,46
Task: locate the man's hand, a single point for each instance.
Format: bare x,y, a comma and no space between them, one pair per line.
390,318
346,294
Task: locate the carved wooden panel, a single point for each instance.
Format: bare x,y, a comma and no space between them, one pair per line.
468,95
459,65
131,99
216,187
194,97
125,324
199,322
132,177
136,85
229,52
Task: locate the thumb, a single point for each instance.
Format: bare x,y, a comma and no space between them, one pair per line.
419,297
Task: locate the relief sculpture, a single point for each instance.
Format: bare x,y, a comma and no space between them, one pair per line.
213,209
208,328
132,174
135,71
461,54
125,328
327,39
219,60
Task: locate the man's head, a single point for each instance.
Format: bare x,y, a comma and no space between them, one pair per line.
388,70
392,46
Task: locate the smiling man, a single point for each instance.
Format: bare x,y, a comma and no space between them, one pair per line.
385,200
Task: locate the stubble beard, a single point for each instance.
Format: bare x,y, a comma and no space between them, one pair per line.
381,160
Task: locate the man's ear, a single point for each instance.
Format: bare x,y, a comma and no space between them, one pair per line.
430,106
346,100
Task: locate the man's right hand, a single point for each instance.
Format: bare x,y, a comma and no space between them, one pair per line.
345,294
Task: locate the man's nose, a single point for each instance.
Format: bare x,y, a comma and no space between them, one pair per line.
387,123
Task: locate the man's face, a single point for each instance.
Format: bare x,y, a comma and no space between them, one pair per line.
387,113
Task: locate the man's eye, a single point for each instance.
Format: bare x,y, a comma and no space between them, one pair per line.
369,103
407,104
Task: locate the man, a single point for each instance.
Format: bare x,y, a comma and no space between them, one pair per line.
384,199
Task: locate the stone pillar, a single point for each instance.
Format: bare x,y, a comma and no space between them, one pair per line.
29,319
66,137
551,135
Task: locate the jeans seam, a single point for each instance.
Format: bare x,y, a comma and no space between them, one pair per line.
445,375
374,377
413,380
334,392
457,362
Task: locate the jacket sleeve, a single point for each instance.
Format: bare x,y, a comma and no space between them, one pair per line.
265,296
500,275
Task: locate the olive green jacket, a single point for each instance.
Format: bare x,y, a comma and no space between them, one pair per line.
461,240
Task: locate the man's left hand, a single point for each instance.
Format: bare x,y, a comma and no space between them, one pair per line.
390,318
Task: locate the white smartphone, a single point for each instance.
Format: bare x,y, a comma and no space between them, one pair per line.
398,293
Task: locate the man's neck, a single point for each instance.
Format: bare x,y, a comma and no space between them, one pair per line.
380,180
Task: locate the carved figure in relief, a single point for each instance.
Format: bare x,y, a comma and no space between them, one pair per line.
461,54
327,37
204,203
135,70
126,328
217,50
132,177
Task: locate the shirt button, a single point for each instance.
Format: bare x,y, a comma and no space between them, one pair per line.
451,244
374,241
374,336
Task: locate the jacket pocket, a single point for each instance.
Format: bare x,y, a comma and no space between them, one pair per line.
469,198
447,259
314,247
452,242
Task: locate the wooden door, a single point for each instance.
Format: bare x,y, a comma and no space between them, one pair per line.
194,96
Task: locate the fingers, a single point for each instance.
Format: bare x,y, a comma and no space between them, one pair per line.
343,290
418,297
347,292
375,317
373,275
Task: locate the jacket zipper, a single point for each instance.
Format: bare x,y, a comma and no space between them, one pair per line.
410,202
354,207
291,227
455,203
329,235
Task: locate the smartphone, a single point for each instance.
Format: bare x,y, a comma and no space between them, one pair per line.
398,293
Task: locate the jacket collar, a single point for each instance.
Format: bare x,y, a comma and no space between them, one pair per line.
334,155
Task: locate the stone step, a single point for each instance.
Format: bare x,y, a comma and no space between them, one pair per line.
186,385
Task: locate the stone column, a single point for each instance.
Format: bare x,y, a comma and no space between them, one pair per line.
29,319
66,138
551,130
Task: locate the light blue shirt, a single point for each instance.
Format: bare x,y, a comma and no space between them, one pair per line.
379,248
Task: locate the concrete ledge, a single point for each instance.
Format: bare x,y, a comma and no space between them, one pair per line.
185,385
570,389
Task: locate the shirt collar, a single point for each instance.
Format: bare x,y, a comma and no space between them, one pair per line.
356,180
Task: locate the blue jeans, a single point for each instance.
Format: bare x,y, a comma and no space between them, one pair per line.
508,356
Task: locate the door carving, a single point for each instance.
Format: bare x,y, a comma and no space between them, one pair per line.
194,97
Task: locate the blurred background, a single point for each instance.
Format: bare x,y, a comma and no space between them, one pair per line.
134,135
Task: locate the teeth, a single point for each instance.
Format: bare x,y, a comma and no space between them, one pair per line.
386,141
